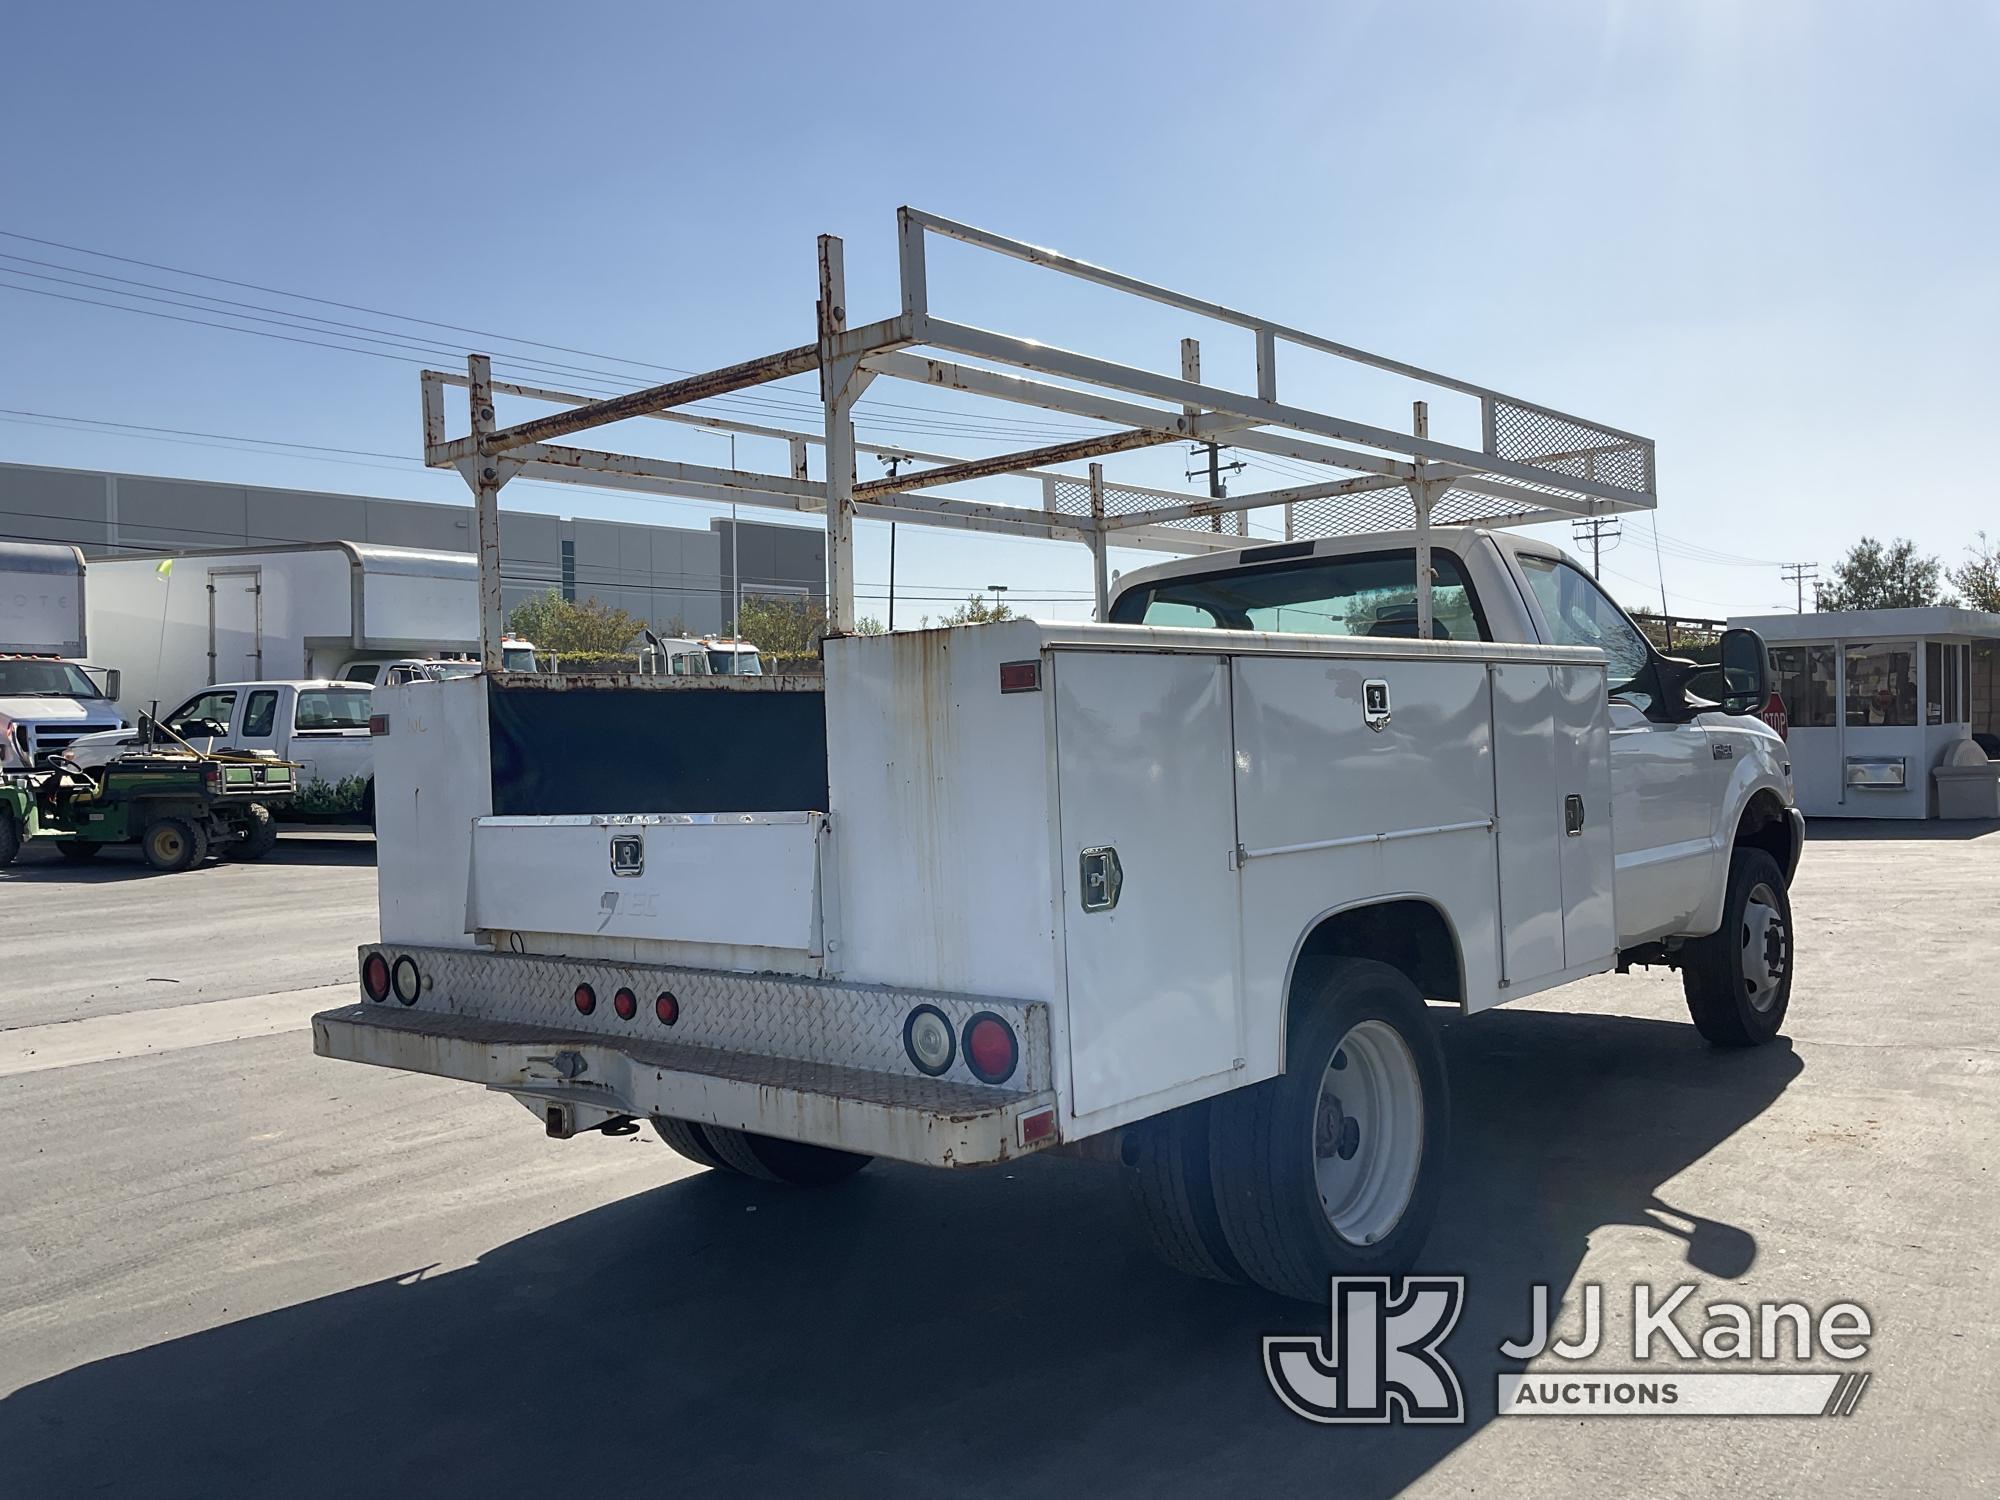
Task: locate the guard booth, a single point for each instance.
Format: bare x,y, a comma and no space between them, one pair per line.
1880,700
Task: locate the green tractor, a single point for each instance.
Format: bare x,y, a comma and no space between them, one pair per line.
176,803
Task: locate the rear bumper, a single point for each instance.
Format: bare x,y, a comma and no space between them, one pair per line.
798,1059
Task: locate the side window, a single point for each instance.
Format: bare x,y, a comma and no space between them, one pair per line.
1881,686
1579,613
1803,676
212,706
360,672
332,708
260,714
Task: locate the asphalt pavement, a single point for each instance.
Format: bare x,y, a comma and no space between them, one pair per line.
228,1267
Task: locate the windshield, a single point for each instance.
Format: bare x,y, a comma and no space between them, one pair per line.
735,663
518,658
1369,594
45,679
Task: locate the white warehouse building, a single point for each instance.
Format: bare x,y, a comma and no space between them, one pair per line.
677,579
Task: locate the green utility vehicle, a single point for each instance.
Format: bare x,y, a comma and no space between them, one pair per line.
177,804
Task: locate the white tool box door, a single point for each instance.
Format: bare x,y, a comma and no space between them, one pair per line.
1146,825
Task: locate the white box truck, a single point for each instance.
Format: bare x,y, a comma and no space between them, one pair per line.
180,622
1185,887
48,696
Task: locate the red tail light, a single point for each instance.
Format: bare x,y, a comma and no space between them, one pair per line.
667,1008
990,1048
586,999
375,976
378,724
626,1004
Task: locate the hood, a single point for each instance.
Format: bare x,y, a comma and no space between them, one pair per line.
58,710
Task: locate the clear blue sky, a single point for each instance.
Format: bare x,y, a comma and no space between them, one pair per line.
1762,234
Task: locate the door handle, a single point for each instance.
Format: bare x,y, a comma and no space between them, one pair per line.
1573,815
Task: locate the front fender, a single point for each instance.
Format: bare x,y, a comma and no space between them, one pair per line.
1759,767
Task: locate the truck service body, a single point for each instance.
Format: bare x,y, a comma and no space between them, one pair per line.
1122,843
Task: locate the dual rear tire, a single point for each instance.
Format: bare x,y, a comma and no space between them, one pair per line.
762,1157
1333,1168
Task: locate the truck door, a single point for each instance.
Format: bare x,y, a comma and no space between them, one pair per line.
235,624
1664,782
329,739
1149,898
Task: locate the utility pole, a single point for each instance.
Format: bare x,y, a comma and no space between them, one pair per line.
1595,529
1216,469
1799,574
893,460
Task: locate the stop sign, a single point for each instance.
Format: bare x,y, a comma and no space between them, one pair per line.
1774,715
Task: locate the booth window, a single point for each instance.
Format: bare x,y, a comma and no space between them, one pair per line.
1805,681
1935,707
1984,696
1881,686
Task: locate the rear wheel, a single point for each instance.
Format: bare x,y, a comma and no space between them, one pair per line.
1738,979
689,1140
769,1159
77,851
172,844
1173,1193
1334,1168
256,836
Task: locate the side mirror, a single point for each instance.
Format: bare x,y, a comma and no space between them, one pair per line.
113,681
1740,682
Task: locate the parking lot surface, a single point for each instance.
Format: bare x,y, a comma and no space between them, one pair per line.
229,1267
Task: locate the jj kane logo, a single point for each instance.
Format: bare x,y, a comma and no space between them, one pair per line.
1381,1360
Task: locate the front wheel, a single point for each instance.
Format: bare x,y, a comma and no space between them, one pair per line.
1335,1167
1738,979
257,836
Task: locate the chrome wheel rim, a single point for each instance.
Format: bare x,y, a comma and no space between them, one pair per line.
1766,948
1368,1132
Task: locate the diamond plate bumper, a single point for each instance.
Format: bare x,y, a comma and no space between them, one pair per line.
799,1059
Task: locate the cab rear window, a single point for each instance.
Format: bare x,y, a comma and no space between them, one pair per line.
1358,594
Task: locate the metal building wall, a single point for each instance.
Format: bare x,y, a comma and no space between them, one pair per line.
675,578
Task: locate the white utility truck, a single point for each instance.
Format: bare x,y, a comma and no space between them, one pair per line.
1201,867
48,696
310,610
1188,888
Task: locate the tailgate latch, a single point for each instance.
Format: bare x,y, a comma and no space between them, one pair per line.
628,854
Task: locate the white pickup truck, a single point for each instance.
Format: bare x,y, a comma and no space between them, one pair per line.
321,726
1187,889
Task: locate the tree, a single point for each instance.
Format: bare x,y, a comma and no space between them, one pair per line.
782,626
1979,579
1873,576
561,625
976,611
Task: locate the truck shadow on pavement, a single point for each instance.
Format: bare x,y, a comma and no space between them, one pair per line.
907,1332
